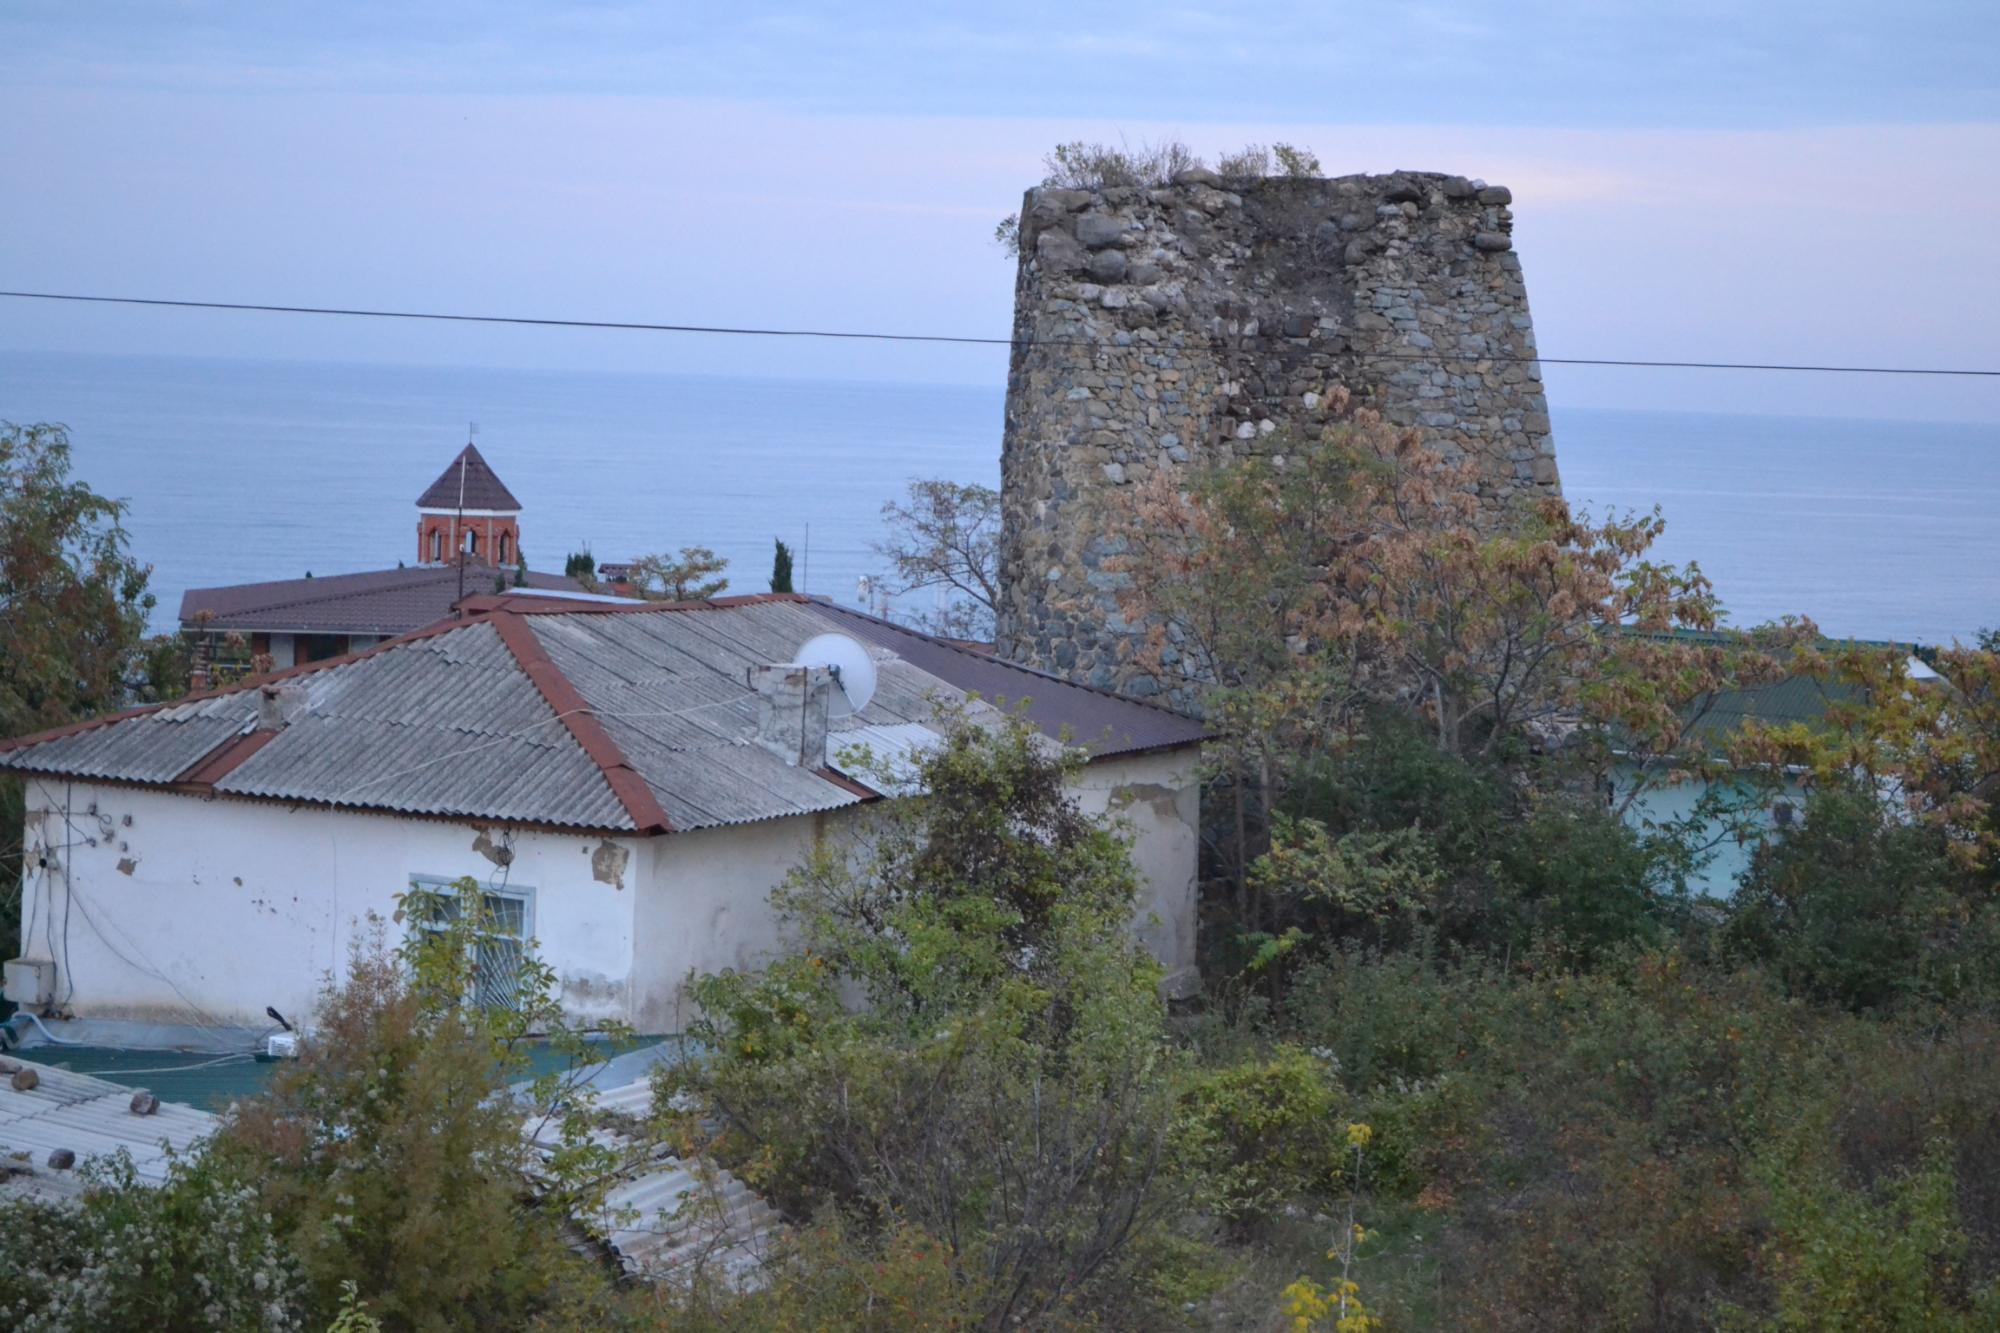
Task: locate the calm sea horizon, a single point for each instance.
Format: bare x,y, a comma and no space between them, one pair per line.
239,470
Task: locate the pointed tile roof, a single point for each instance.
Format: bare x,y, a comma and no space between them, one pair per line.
543,710
483,487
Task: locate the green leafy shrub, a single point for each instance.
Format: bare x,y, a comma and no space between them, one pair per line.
1891,1259
1264,1133
966,1041
1391,838
390,1155
1859,908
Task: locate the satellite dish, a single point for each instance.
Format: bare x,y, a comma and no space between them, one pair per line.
853,671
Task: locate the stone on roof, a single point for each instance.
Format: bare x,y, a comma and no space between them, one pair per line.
64,1112
483,488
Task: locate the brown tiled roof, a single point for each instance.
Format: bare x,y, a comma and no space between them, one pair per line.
573,714
382,601
483,487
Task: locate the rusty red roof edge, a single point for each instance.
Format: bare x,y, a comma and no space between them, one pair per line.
632,790
848,785
224,759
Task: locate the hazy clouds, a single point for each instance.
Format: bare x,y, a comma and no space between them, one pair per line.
1797,183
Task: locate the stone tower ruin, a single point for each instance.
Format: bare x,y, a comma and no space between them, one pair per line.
1154,325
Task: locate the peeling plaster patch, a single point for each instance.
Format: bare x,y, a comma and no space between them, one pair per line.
1164,800
491,850
592,991
608,862
126,865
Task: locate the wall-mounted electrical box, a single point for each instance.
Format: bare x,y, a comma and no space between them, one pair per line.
29,981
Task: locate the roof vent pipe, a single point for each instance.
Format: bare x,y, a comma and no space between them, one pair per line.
791,711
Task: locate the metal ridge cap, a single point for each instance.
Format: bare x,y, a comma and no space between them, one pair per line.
546,605
581,720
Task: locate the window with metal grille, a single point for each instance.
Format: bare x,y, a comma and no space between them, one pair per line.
498,946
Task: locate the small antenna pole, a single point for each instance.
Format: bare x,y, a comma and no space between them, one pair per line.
458,524
806,562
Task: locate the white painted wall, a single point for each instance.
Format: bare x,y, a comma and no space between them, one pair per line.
245,904
1158,797
184,909
705,903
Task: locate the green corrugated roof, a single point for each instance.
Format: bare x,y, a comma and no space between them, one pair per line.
1795,699
201,1079
1798,699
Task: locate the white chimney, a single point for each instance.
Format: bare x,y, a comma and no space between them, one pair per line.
791,712
277,702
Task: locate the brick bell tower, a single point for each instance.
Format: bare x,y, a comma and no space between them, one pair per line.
468,509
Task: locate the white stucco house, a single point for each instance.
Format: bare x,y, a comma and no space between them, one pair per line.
627,782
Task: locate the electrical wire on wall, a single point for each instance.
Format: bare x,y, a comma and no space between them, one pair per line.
33,893
202,1017
69,892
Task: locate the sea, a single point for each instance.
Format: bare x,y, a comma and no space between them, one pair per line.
242,470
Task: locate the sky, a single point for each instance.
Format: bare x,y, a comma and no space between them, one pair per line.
1770,181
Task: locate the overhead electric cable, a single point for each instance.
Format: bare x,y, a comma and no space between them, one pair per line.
858,335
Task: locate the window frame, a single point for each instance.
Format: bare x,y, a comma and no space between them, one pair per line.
521,893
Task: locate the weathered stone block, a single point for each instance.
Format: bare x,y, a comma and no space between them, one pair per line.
1058,252
1097,230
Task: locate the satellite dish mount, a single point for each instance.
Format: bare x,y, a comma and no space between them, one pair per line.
853,671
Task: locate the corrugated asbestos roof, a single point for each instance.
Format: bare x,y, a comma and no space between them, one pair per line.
884,755
666,1218
669,1218
380,601
91,1118
1096,720
634,719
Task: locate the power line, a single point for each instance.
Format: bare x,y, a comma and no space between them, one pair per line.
857,335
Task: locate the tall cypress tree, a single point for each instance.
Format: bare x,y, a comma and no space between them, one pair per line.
781,567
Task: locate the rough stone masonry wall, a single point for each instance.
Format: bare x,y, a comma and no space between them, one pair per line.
1154,326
